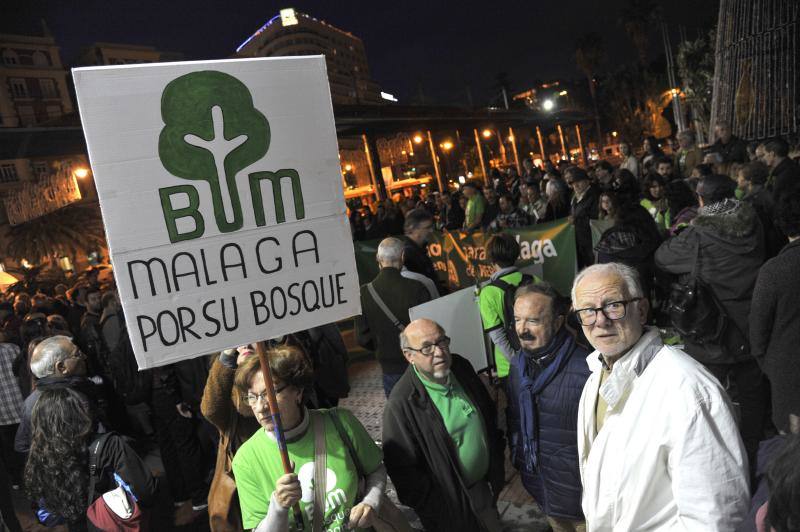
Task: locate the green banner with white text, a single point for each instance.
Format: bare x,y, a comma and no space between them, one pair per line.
460,258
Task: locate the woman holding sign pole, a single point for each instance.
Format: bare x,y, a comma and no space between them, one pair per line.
330,451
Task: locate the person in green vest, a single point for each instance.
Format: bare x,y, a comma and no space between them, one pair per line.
655,201
266,493
476,206
502,250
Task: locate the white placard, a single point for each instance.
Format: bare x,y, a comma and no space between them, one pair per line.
220,188
460,318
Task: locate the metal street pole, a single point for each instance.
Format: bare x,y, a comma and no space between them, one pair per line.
580,144
435,163
564,154
480,157
541,144
513,139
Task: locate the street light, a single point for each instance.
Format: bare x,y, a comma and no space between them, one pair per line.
348,167
486,133
417,139
446,145
548,105
81,172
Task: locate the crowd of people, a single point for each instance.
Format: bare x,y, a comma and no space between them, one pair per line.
660,394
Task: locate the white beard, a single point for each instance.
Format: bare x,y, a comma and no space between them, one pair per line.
441,374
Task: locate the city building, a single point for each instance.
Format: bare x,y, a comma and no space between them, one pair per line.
33,81
104,53
294,33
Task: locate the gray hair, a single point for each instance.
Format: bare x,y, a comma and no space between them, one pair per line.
390,250
543,288
629,276
50,352
686,134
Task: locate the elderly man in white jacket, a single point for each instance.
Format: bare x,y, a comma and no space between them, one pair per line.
657,442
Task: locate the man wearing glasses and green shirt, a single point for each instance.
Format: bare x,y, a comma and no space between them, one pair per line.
441,445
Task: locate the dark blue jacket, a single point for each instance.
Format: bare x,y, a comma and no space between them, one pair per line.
555,482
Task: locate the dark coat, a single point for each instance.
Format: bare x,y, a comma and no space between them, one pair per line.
374,331
420,456
762,201
731,251
735,151
222,407
416,259
783,177
632,240
556,483
775,330
22,440
582,211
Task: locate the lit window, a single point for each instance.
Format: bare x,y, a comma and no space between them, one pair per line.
8,173
40,168
19,89
10,57
40,58
48,87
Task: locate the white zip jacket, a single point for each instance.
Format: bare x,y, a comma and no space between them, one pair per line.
669,455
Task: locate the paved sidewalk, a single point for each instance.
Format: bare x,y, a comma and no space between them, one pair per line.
517,510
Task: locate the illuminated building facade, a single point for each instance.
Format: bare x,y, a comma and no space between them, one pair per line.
33,82
291,33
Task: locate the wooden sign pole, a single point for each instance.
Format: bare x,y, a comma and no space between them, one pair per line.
272,400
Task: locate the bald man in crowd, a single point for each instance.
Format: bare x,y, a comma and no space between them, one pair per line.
441,445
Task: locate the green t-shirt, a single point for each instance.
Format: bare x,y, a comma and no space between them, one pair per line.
476,205
464,425
490,303
257,466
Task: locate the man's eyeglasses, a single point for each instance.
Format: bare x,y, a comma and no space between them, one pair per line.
615,310
427,349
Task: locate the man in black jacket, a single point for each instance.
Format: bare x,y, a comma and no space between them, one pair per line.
730,147
375,329
441,445
584,207
784,172
724,247
418,229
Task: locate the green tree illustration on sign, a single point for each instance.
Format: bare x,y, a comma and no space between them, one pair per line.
211,131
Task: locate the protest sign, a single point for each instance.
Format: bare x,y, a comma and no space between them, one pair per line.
458,314
460,258
221,195
37,198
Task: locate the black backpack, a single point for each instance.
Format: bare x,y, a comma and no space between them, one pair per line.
698,316
508,306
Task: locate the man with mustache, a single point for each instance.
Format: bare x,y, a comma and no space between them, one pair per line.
544,389
441,445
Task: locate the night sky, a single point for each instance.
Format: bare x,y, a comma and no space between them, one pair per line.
444,47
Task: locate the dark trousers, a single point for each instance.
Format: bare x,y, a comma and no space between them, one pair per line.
10,459
7,501
180,448
749,391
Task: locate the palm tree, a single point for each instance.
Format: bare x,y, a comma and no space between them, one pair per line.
589,55
637,17
70,231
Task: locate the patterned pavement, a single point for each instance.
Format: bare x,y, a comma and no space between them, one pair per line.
517,510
